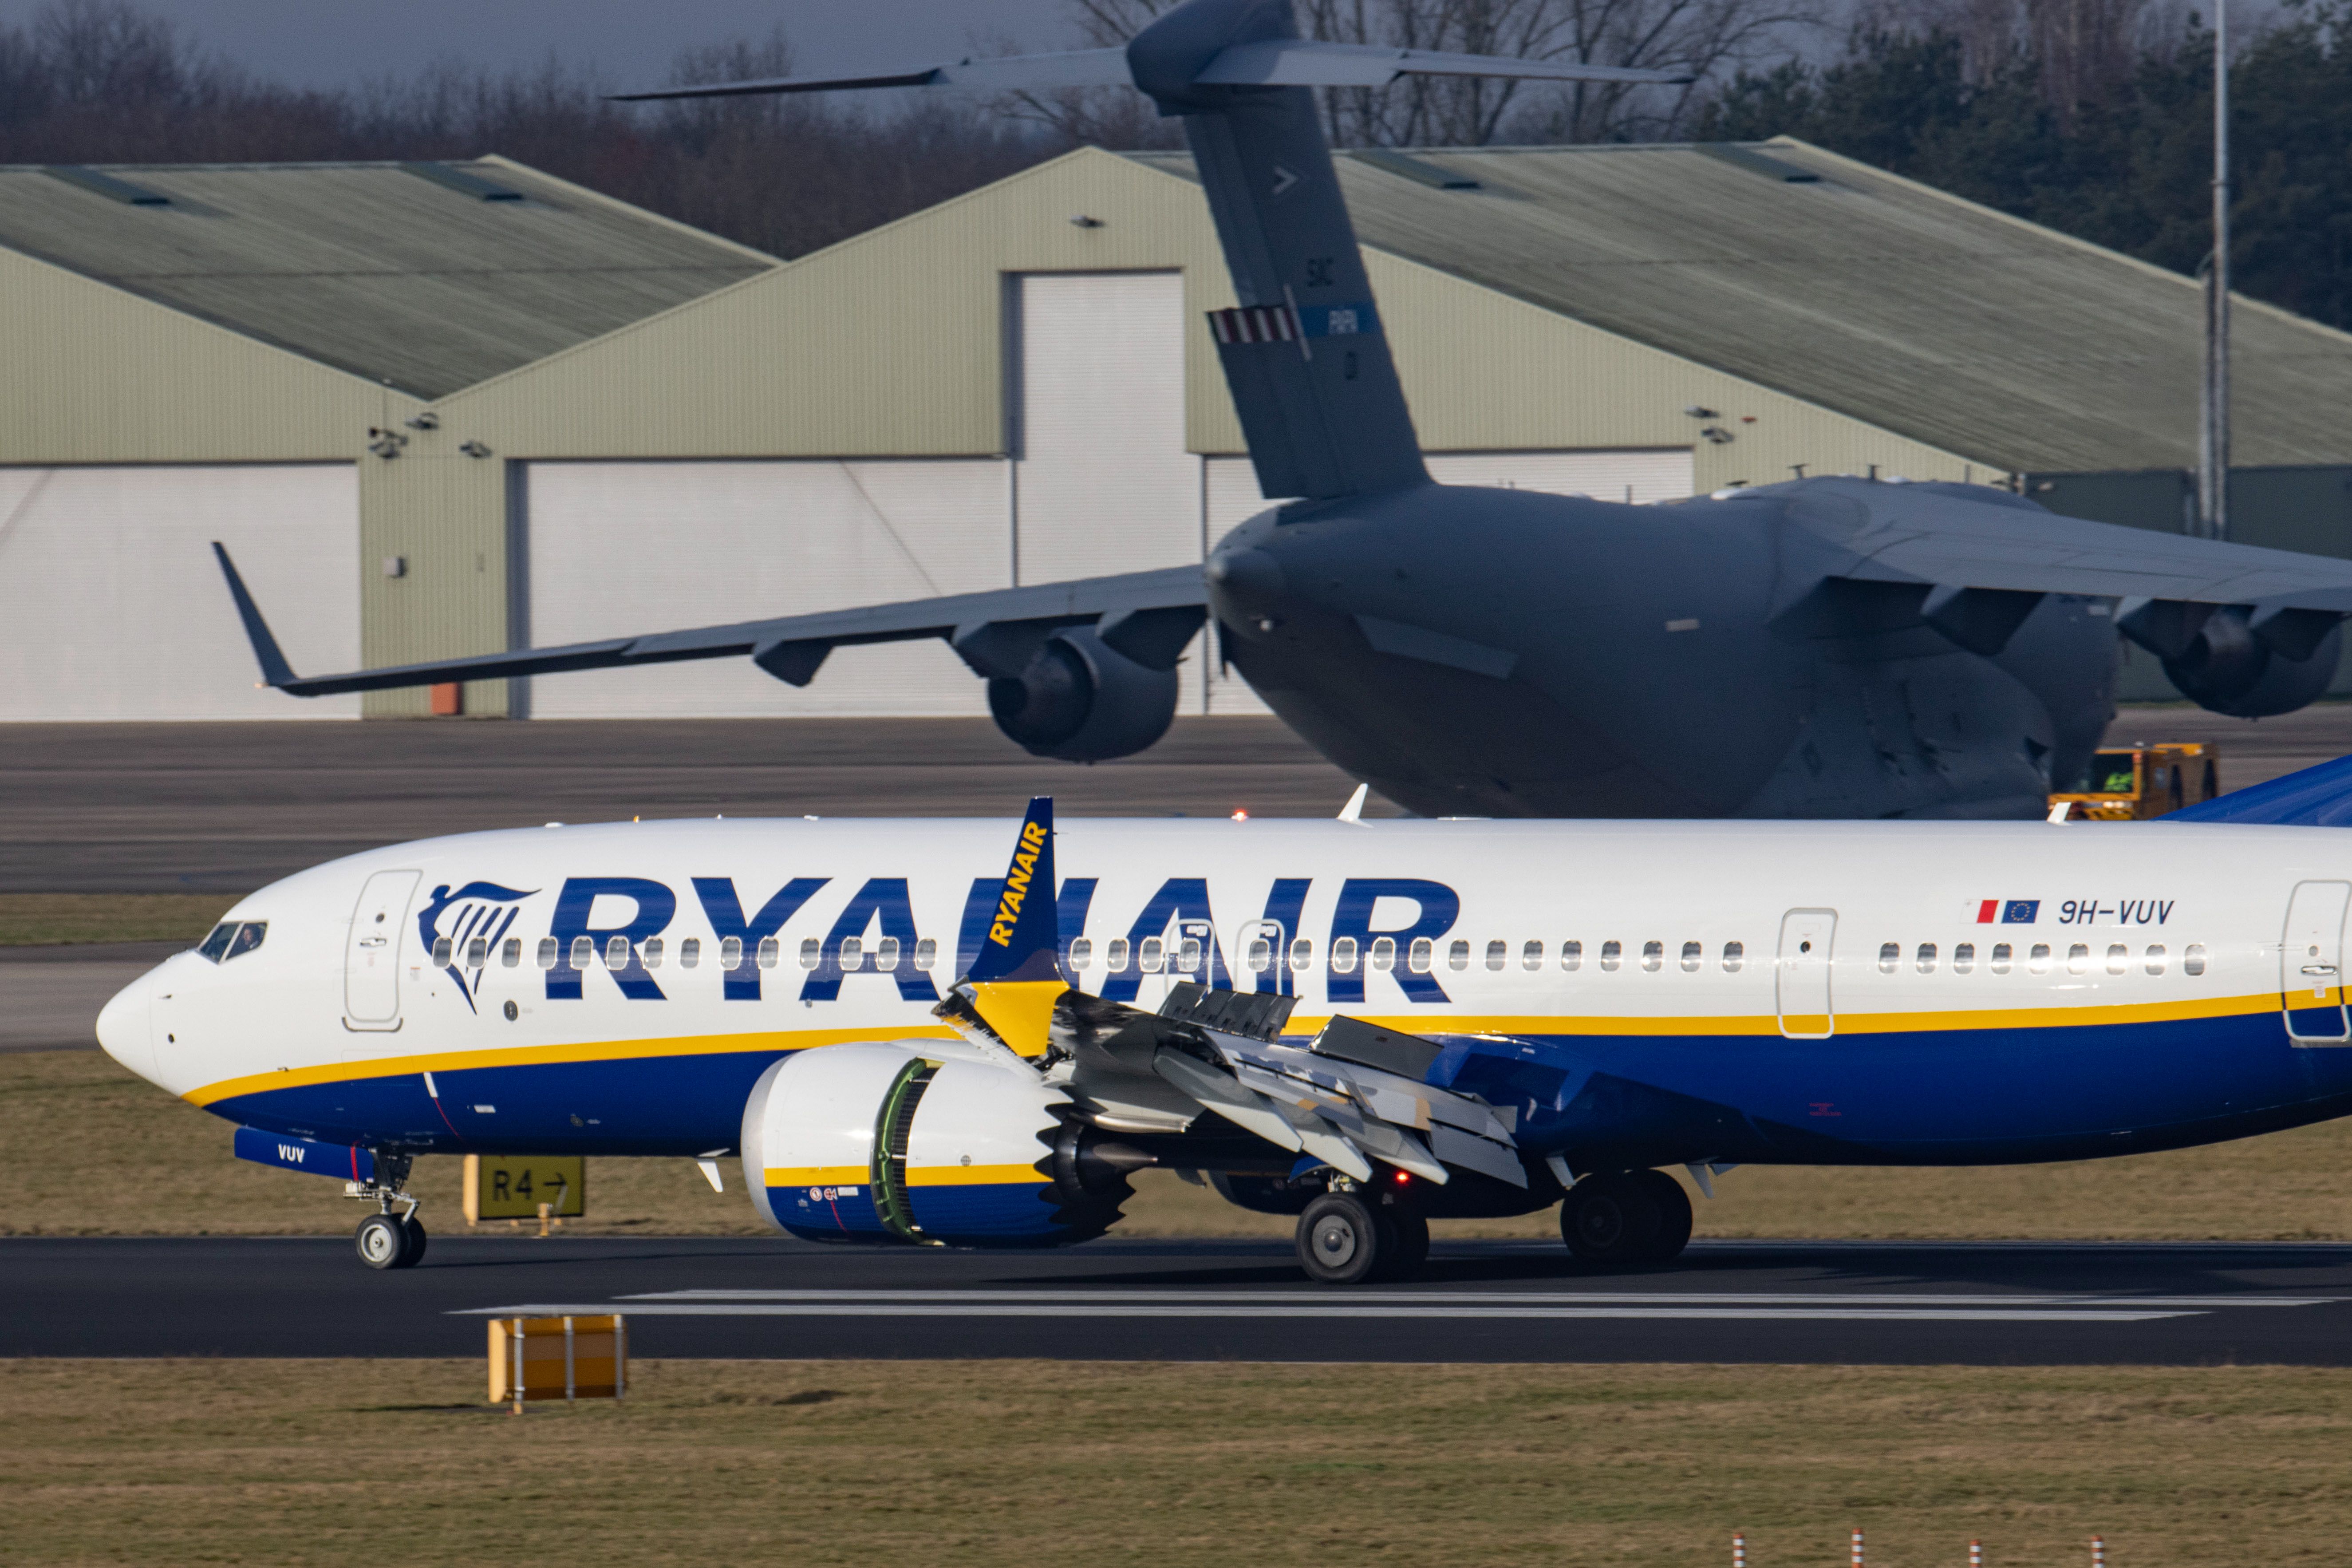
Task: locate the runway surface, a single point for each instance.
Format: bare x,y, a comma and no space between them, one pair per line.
1990,1303
50,996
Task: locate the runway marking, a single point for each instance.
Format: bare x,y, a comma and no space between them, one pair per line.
1477,1309
1513,1297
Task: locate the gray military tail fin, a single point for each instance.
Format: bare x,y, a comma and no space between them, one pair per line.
1303,353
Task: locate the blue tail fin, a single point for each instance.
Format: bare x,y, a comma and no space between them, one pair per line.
1024,937
1304,356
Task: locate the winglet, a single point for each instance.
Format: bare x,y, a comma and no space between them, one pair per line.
1024,937
1354,810
1010,994
275,670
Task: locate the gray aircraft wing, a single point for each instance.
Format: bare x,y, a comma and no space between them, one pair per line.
1147,615
1994,562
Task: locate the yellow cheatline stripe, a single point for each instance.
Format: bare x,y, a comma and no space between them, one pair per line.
1299,1027
972,1175
558,1056
816,1175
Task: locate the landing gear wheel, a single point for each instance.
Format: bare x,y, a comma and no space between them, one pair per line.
1612,1216
1408,1239
1342,1240
1674,1216
383,1242
415,1229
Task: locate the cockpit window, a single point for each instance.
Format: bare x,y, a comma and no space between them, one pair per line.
233,939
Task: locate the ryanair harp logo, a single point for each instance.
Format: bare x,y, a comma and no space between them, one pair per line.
1017,878
471,921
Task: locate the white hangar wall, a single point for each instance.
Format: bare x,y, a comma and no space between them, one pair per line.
111,606
1097,479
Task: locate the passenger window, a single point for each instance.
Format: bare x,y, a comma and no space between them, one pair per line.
511,954
477,951
886,954
1259,955
1115,955
1734,955
1653,956
689,952
1384,954
1498,953
1302,956
1611,955
1531,955
248,936
1422,954
1187,955
1890,957
1457,957
617,952
771,951
548,949
2078,958
2118,958
1963,958
2001,953
927,952
1571,955
650,955
1149,954
215,946
2193,962
1691,957
1082,953
2156,958
584,952
853,954
441,954
730,953
2037,958
1343,957
1927,959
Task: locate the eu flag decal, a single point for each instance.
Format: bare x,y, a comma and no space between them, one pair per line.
2009,911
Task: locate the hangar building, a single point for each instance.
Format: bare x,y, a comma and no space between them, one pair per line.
449,409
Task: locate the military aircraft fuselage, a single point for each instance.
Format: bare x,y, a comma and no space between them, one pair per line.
1506,653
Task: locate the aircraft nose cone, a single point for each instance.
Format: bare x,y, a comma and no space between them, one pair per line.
1246,582
125,1027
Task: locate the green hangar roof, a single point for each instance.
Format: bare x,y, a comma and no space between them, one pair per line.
1862,292
424,277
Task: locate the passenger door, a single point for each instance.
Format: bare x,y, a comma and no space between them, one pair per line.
371,951
1245,958
2310,963
1802,978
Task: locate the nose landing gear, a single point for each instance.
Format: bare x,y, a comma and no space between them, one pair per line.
385,1239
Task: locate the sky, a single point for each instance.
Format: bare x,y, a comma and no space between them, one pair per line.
339,43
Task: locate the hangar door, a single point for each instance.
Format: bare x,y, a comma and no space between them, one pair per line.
112,607
619,548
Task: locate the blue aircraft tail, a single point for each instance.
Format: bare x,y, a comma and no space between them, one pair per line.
1023,938
2317,796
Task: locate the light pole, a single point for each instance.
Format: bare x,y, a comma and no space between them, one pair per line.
2213,436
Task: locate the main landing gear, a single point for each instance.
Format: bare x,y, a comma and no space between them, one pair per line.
1349,1238
1626,1216
385,1239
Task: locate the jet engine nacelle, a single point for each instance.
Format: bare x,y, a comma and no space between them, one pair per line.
1080,700
2231,670
921,1140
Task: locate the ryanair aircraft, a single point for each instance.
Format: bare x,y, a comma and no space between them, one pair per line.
1364,1024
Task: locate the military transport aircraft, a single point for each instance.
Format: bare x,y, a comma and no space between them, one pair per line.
1827,648
1363,1024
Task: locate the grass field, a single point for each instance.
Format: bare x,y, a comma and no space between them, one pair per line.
1027,1463
165,1170
41,920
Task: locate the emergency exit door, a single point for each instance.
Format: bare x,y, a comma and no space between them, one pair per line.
1801,975
371,951
2310,963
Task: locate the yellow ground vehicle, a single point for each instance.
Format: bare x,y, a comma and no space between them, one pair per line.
2144,780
